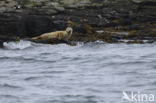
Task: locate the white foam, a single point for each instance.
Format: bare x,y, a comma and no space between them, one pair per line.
17,45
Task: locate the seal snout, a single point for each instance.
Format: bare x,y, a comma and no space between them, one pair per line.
69,30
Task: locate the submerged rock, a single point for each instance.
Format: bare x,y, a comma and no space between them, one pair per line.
7,39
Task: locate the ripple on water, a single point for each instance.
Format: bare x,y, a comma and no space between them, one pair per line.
9,99
86,73
10,86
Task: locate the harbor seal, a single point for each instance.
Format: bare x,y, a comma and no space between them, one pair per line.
60,35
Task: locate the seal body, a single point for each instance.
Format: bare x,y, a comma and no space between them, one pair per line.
60,35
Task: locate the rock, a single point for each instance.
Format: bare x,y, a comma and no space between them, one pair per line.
33,25
54,41
2,9
7,39
143,1
29,18
1,44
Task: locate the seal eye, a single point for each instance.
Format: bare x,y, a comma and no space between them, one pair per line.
69,31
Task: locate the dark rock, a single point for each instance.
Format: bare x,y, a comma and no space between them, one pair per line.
35,18
59,24
34,25
54,41
1,44
8,23
79,29
7,39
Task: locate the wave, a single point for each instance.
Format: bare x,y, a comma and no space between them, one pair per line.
17,45
23,44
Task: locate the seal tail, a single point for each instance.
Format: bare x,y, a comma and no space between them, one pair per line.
32,39
35,38
28,39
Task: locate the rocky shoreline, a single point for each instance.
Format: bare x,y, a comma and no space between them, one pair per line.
109,21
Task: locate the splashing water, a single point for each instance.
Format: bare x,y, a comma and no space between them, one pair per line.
17,45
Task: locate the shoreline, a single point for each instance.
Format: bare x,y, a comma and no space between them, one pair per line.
109,23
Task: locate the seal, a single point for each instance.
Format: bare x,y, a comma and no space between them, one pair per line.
60,35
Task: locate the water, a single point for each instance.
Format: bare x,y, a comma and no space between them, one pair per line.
87,73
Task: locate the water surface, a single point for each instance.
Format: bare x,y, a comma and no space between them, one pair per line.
87,73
